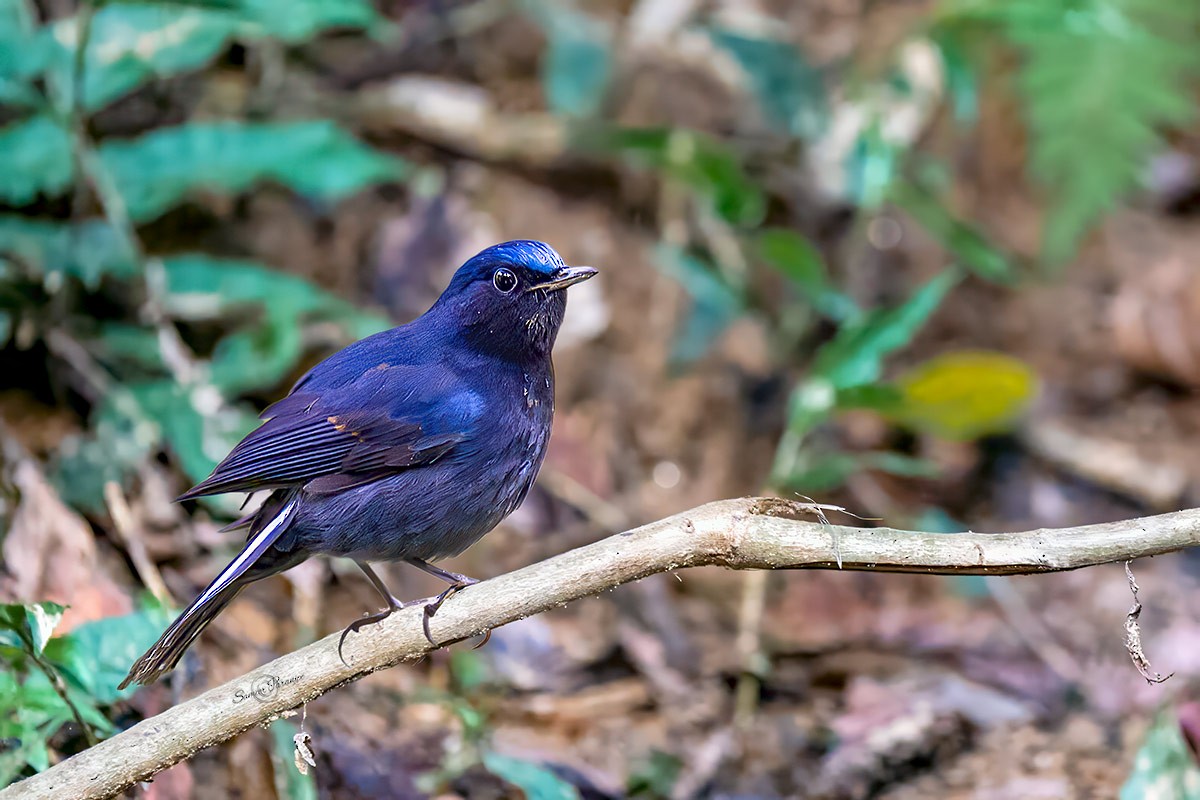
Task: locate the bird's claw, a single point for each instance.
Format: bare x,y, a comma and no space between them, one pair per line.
361,623
432,607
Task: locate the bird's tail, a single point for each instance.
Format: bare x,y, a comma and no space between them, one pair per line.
243,570
170,647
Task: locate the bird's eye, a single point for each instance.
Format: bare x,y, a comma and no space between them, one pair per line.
504,280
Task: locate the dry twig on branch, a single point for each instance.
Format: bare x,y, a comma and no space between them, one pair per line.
740,534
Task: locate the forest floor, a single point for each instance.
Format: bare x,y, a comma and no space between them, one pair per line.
851,685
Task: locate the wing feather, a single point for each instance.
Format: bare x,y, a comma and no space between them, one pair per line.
334,441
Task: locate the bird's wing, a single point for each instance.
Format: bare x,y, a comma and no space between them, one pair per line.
391,418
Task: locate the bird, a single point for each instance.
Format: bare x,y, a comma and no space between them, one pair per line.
406,446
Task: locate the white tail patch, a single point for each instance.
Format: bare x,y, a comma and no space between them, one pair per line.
250,553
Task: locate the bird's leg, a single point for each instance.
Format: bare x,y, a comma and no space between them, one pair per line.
392,605
461,581
457,582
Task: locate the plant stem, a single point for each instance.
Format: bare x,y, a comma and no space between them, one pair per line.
60,689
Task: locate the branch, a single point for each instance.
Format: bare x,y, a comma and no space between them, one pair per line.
740,534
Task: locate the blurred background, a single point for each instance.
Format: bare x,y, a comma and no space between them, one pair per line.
930,261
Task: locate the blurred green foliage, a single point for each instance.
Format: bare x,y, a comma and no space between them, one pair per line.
1164,766
156,171
149,387
49,681
153,390
712,169
1099,81
790,91
655,776
537,782
578,63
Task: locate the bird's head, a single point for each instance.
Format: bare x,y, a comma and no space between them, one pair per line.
510,298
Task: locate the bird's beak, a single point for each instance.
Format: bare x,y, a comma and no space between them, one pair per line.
567,276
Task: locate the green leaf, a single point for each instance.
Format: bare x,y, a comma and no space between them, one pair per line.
317,159
715,304
296,21
965,395
852,359
655,776
132,43
872,166
23,55
30,713
35,159
87,250
31,623
880,397
277,305
469,669
795,257
121,436
823,472
95,656
709,167
1164,767
577,65
788,89
971,247
30,750
196,423
537,782
962,79
855,355
129,349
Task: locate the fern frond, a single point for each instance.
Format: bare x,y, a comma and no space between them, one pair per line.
1100,80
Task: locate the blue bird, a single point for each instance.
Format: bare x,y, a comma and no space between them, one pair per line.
408,445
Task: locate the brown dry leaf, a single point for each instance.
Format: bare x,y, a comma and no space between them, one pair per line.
303,756
1156,321
50,554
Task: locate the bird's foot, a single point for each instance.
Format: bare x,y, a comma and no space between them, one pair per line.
370,619
432,606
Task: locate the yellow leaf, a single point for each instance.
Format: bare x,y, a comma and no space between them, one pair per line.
965,395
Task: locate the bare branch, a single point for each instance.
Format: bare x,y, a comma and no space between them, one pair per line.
749,533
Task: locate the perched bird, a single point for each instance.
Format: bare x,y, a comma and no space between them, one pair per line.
408,445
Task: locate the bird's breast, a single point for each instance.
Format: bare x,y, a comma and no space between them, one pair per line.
520,438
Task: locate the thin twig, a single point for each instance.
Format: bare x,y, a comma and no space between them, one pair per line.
749,647
1031,629
749,533
60,688
129,535
750,618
